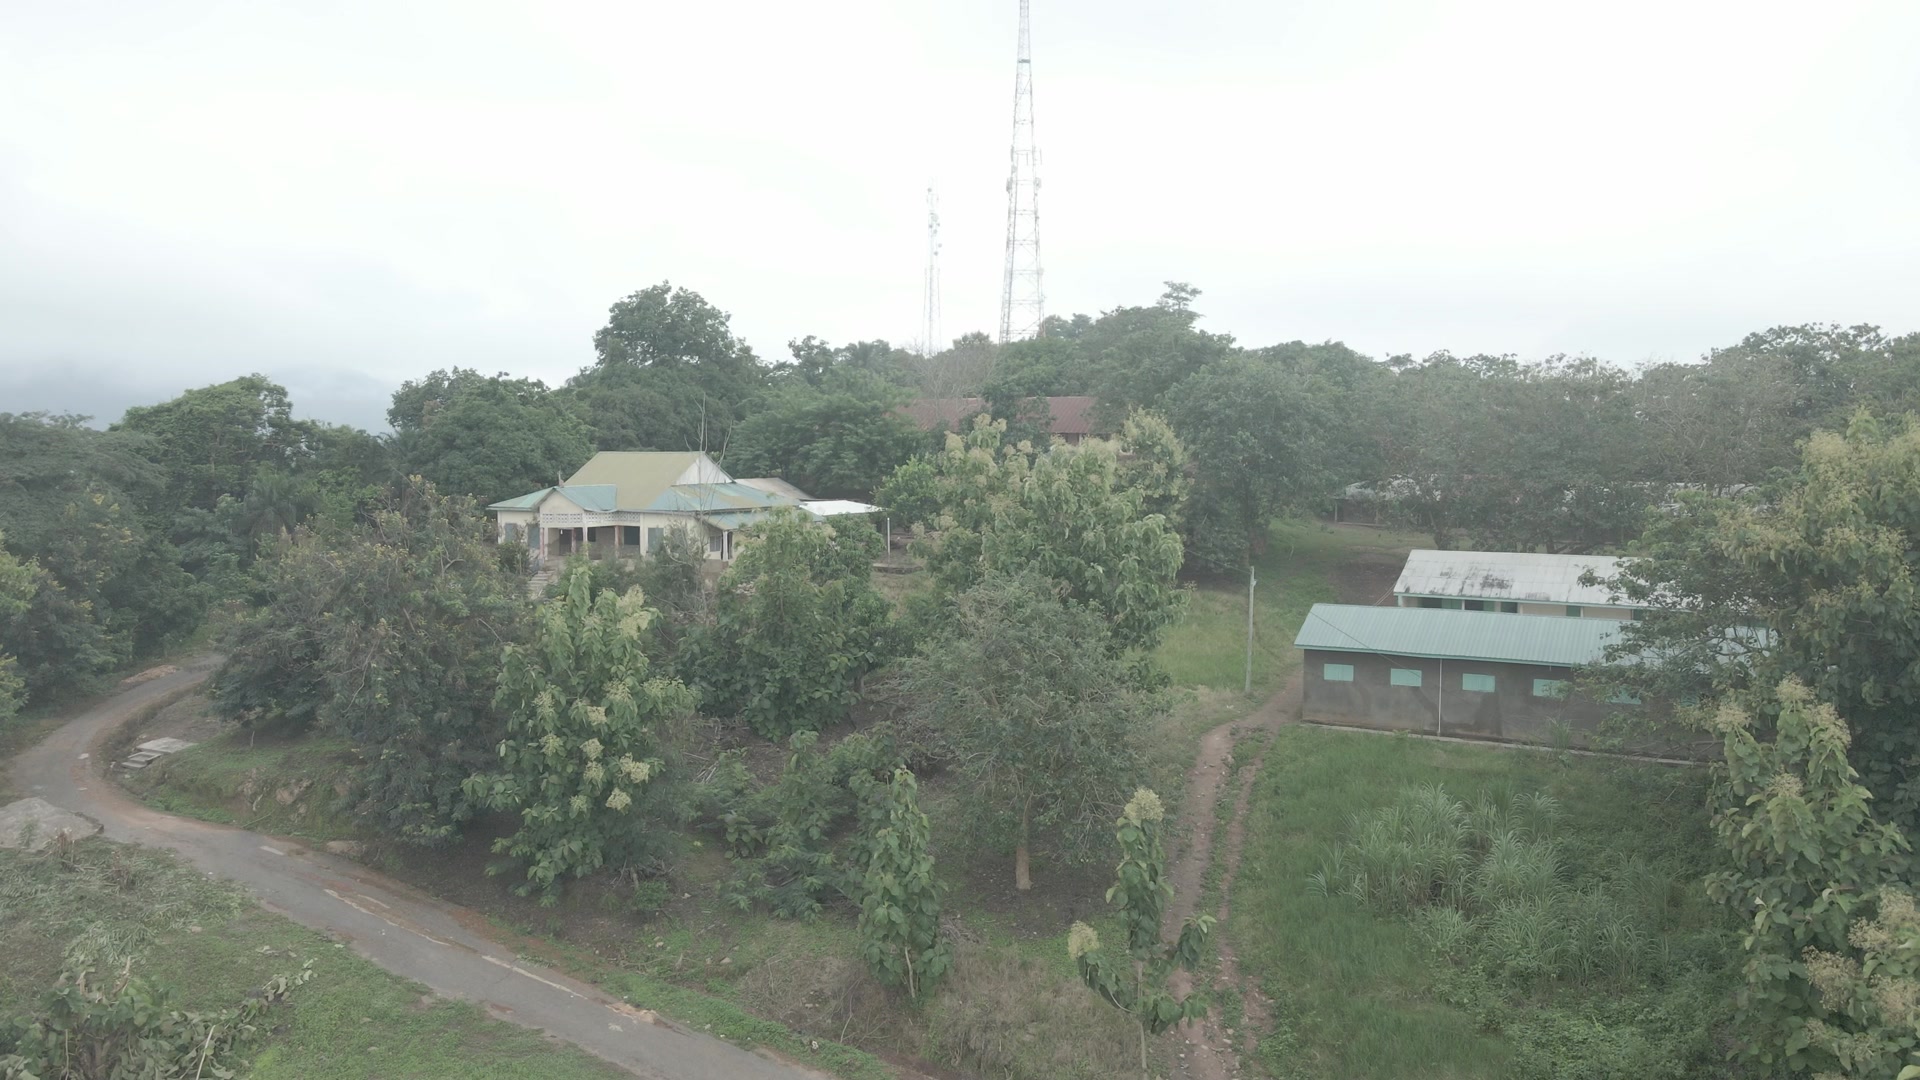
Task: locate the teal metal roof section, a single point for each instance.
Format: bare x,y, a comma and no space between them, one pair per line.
598,498
1441,633
524,502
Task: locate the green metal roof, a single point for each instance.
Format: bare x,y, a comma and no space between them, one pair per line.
638,476
596,497
1447,634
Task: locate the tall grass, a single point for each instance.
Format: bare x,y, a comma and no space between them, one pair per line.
1439,910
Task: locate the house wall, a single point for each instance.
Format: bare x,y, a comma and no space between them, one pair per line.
1510,712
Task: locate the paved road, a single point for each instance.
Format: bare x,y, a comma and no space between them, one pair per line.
394,926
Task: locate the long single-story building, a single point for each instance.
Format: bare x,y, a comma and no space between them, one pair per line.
1516,582
620,504
1482,674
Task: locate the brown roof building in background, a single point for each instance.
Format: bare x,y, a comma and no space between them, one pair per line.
1072,417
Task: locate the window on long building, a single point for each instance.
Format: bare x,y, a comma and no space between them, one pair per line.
1483,684
630,535
1337,672
1404,676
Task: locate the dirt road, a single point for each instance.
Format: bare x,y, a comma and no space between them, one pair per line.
394,926
1208,1053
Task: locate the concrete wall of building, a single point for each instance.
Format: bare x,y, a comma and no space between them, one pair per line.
1441,705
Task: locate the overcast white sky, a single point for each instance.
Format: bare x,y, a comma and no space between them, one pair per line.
345,195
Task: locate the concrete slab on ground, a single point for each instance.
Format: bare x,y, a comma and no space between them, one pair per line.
164,746
32,824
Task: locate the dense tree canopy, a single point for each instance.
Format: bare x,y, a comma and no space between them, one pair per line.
209,442
1827,565
387,632
1068,514
491,437
1026,695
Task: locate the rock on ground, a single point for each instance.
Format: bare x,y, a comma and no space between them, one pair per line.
31,824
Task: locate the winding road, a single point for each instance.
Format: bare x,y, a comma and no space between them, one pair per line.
394,926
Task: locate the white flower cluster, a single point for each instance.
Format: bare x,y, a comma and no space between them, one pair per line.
619,800
591,748
636,771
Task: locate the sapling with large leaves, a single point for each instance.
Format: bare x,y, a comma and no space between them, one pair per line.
1136,984
900,899
585,720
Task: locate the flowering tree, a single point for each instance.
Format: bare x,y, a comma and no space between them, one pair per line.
583,752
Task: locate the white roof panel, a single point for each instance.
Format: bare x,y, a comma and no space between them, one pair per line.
1525,576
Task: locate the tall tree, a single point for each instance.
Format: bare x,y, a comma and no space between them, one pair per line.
587,734
1066,513
211,441
1815,579
17,586
489,437
388,632
1259,434
833,445
797,622
1036,711
1137,354
669,375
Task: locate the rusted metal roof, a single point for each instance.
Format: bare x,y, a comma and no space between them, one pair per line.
1524,576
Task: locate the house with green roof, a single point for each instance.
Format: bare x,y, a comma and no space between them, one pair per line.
620,504
1478,674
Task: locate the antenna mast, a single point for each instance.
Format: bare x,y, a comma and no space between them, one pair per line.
1022,303
930,299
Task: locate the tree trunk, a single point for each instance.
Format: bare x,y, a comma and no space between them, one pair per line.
1022,881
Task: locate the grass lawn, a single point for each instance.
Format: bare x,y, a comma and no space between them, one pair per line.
210,943
1303,565
1358,992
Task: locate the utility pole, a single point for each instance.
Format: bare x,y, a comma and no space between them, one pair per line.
930,299
1022,301
1250,583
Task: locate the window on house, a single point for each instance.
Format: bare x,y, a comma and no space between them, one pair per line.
653,539
1551,688
511,534
1451,605
1337,672
1404,676
1474,605
1639,614
1511,607
630,535
1573,611
1429,601
713,544
1624,697
1478,683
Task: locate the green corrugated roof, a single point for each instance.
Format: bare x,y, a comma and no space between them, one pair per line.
525,502
596,497
638,476
1465,635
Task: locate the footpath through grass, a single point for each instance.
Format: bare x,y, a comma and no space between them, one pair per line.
1302,566
1363,992
101,903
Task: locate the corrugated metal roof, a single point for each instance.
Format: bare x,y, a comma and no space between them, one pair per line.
776,486
826,508
1462,635
698,498
638,476
595,497
1507,575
